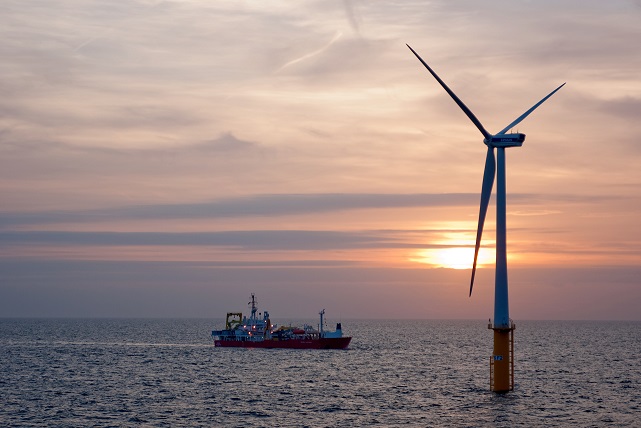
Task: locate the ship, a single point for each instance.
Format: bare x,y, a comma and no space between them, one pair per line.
257,331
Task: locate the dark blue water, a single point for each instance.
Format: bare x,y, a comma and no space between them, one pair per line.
166,373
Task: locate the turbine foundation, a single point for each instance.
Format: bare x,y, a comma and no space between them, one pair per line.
502,359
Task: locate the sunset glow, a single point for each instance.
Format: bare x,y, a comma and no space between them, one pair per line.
167,157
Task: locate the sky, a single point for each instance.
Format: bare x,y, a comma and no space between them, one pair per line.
169,158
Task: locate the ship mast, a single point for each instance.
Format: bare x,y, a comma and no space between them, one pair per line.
320,327
254,309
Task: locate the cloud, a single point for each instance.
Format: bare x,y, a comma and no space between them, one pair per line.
625,108
276,205
241,240
47,160
225,144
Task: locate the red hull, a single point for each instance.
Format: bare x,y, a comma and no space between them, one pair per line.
324,343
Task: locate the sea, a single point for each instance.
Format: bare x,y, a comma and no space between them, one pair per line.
395,373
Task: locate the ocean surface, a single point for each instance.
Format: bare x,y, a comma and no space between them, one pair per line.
167,373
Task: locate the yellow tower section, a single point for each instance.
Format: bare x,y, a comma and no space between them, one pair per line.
502,359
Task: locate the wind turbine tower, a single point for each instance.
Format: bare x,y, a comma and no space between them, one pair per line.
502,360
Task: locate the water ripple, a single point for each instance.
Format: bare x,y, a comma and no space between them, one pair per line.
166,373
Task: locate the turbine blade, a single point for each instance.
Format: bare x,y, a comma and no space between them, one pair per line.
527,113
486,192
456,99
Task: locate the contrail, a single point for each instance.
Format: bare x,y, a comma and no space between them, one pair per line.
311,54
351,16
93,39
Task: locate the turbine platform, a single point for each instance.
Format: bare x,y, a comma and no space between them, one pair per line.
502,359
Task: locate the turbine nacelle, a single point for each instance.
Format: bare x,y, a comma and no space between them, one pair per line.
505,140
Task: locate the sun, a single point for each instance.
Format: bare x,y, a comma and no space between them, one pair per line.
453,257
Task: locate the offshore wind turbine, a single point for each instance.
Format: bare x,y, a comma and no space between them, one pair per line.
502,361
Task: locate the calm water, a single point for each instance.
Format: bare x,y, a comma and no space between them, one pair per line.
396,373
